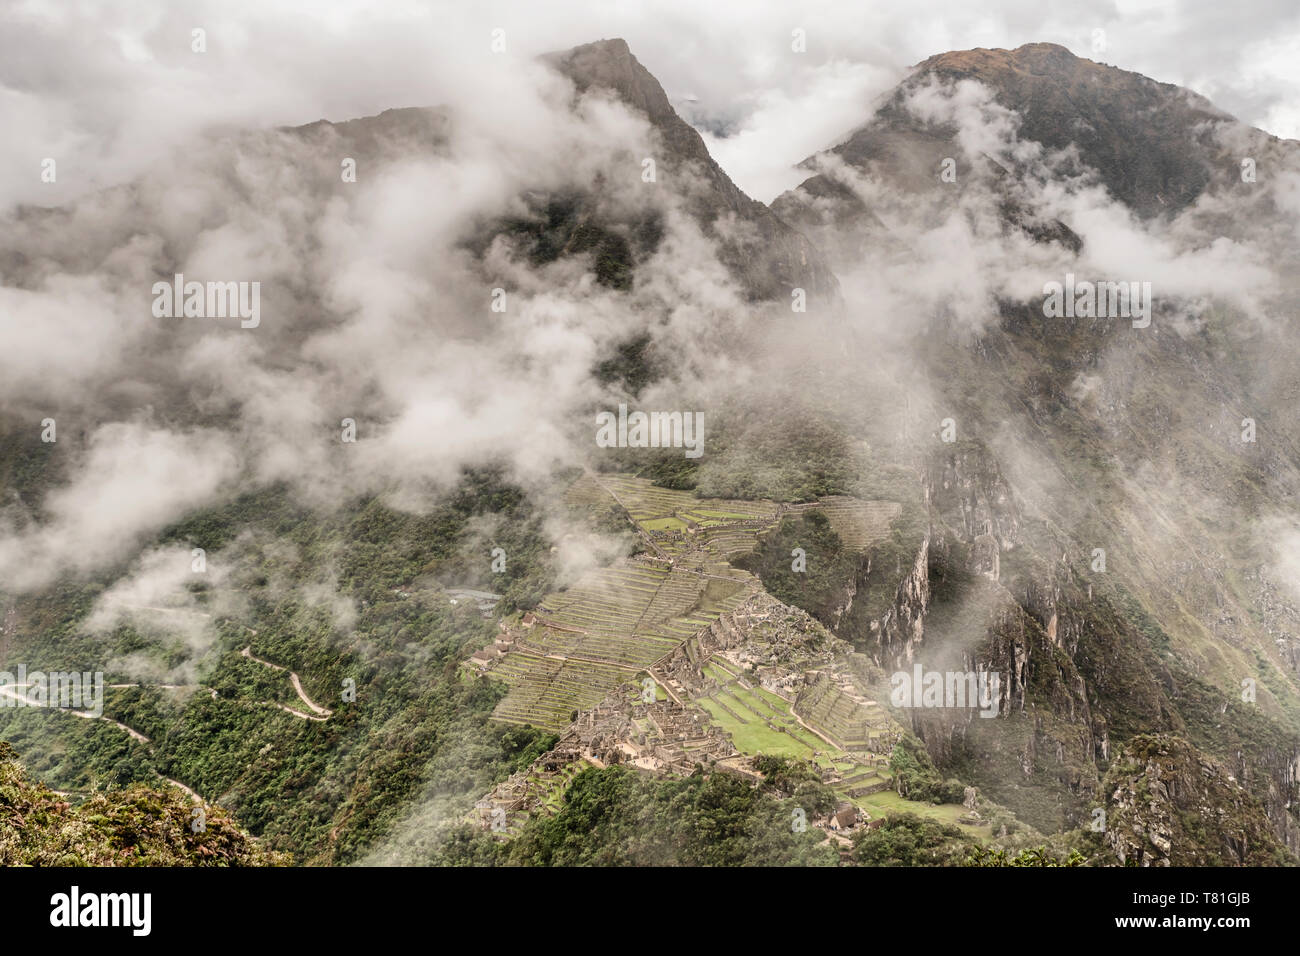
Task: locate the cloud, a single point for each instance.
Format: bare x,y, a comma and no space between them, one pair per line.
155,598
102,86
781,128
132,480
375,307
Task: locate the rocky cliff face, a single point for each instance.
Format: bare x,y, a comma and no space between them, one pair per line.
1166,804
1039,754
894,636
1097,541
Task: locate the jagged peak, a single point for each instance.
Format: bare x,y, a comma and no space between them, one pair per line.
611,64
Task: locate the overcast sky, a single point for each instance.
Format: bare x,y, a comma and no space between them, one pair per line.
102,85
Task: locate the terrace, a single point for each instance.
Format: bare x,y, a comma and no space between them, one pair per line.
621,620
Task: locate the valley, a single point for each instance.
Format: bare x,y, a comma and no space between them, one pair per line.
473,630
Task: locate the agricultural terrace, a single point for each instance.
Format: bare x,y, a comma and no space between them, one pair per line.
623,619
760,722
626,618
852,722
858,523
544,691
678,523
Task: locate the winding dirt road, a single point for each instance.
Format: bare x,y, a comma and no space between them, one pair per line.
9,691
321,713
318,713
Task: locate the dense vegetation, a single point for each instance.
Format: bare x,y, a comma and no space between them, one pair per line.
835,577
1033,856
906,839
916,777
618,817
325,790
135,826
828,571
563,224
763,446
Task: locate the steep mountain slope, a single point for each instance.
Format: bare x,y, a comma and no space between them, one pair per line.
767,256
1150,141
1105,530
133,827
1167,805
1155,147
943,473
329,251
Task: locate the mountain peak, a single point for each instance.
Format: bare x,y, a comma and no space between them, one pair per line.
610,64
777,258
614,46
1152,144
1036,58
1035,67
